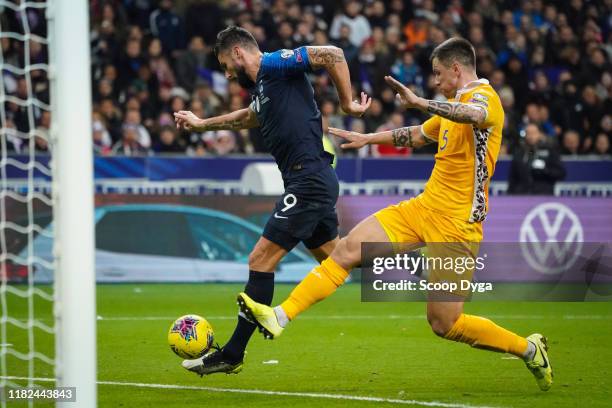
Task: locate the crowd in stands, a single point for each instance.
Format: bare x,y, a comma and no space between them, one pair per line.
548,60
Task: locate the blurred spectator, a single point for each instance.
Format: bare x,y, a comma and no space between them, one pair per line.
591,113
43,132
536,165
39,141
102,142
19,112
368,67
517,78
13,142
205,18
104,90
41,145
112,117
168,27
359,25
344,41
129,145
602,144
511,119
374,117
210,102
159,65
356,125
376,14
416,32
133,121
329,110
191,63
129,63
224,142
168,141
396,121
408,72
571,142
283,38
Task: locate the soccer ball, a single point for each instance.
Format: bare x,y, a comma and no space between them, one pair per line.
190,336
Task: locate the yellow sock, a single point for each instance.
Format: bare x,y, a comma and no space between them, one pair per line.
483,333
321,282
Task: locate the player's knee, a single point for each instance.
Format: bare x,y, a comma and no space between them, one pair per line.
347,252
353,246
440,323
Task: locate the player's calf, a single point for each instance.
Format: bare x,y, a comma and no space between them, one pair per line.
442,316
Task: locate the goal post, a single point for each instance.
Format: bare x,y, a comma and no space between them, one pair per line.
73,190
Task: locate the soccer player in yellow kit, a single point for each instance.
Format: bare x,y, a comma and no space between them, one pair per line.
452,208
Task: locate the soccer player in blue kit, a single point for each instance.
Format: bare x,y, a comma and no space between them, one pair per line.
283,107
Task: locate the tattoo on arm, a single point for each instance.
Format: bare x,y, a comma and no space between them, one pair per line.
457,112
228,125
402,137
324,57
246,122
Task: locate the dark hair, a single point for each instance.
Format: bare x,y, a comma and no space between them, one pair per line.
537,125
234,36
455,49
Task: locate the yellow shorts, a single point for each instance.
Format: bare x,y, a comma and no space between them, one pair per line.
410,221
412,225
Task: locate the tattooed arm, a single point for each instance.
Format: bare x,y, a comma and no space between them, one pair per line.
410,136
332,60
240,119
455,111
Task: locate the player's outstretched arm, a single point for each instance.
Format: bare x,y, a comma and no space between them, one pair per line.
455,111
332,60
240,119
410,136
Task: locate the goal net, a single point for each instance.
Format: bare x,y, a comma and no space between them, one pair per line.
47,280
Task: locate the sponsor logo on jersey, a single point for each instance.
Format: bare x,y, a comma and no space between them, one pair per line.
480,99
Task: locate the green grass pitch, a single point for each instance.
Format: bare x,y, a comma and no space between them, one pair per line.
339,347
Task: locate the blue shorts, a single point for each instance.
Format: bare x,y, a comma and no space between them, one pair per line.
306,212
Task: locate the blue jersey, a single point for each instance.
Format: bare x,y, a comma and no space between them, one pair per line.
289,119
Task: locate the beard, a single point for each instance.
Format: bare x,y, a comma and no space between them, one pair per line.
243,79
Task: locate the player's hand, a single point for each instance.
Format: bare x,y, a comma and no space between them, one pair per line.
357,108
355,140
187,120
404,95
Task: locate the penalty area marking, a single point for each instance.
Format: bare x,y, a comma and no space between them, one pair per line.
273,393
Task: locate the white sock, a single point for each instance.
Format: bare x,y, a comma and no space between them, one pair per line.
281,316
530,352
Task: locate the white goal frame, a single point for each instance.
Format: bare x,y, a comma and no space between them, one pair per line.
73,199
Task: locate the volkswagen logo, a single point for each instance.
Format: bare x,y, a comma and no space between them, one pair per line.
551,238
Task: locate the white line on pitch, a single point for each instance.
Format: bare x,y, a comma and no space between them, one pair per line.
358,317
266,392
348,317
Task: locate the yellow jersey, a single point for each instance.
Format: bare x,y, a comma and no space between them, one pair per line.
466,157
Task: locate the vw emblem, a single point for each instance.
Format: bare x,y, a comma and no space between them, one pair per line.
551,238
